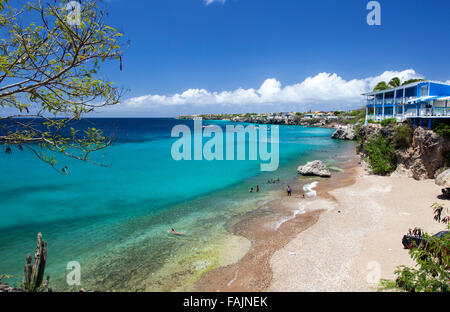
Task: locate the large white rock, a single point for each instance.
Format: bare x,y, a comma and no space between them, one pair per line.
344,133
314,168
443,179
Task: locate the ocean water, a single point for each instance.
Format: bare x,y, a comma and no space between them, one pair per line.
115,221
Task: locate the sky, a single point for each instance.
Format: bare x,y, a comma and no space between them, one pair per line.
236,56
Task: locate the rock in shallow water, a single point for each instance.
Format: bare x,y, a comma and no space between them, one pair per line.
314,168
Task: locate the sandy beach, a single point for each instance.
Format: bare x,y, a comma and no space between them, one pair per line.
346,238
271,227
357,239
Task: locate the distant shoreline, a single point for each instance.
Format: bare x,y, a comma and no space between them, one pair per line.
330,120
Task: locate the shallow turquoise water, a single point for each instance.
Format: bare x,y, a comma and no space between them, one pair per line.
114,221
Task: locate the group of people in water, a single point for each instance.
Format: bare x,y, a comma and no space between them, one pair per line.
271,181
252,189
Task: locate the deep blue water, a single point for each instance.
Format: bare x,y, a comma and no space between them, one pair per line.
114,221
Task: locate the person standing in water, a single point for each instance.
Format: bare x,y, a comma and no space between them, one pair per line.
251,190
289,190
257,189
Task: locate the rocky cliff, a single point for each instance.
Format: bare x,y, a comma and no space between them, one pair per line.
426,154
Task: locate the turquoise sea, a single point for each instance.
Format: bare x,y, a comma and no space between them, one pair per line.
115,221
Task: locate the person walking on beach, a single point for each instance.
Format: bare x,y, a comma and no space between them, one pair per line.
289,190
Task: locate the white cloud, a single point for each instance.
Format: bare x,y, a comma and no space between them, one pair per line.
208,2
323,89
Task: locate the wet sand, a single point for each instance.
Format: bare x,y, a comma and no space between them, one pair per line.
271,227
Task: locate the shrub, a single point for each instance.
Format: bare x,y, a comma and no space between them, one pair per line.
388,122
431,273
443,130
403,136
432,270
381,156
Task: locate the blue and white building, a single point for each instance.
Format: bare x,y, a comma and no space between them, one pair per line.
422,103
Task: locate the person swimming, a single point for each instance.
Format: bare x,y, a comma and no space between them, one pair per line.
172,231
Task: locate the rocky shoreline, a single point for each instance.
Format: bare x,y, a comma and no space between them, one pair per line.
330,120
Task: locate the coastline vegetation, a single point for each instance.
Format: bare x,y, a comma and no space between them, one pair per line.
50,73
380,152
432,270
381,156
443,130
403,136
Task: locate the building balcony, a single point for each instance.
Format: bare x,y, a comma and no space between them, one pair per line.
436,112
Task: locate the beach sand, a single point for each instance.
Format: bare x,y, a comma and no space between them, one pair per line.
346,238
270,228
357,240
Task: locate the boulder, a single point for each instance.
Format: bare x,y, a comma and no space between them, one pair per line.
314,168
344,133
443,179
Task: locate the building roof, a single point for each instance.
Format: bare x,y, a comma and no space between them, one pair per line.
409,85
429,98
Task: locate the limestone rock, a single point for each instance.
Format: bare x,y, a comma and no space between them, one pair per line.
314,168
344,133
443,179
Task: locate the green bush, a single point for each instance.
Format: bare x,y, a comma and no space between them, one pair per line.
381,156
443,130
388,122
403,136
431,272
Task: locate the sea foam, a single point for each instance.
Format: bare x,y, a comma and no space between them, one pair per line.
309,189
299,211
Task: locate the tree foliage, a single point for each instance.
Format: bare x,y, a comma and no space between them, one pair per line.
411,81
49,61
432,270
382,85
394,83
